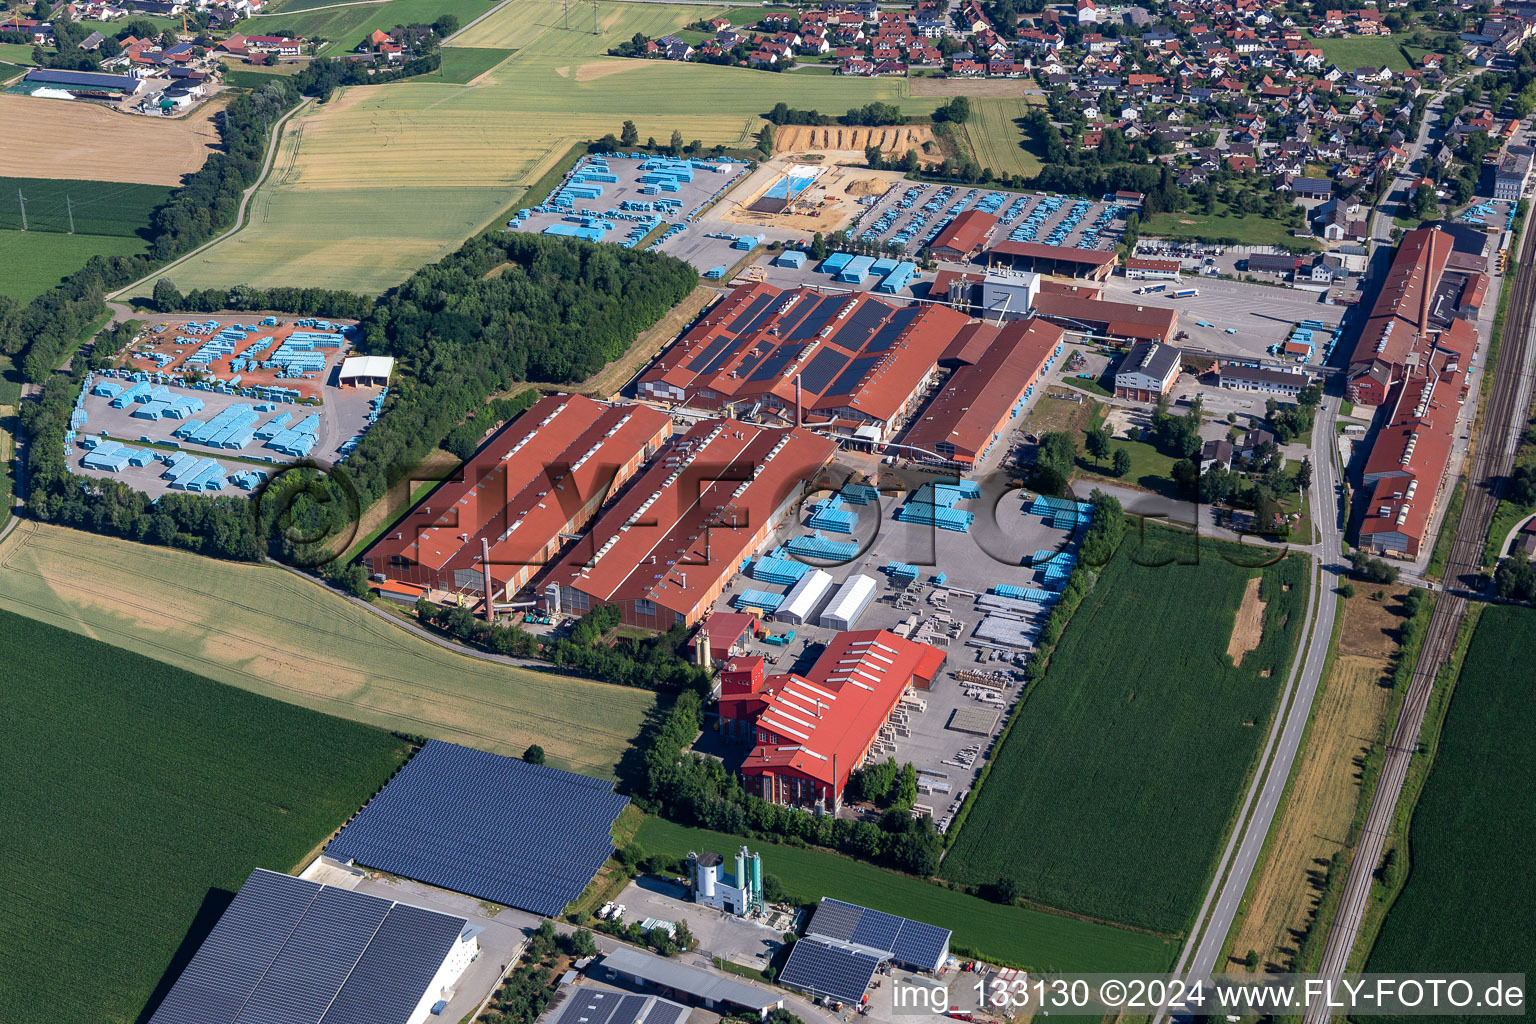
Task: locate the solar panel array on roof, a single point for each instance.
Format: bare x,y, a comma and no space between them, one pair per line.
877,929
756,312
719,348
851,376
761,318
909,942
815,321
289,950
488,826
893,327
798,312
776,362
861,325
586,1005
825,968
835,920
818,373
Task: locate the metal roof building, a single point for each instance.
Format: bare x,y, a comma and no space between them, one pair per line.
487,826
845,944
852,598
975,405
584,1004
542,476
668,547
704,987
803,598
291,951
85,81
858,361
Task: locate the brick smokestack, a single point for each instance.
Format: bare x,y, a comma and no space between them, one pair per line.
799,413
485,572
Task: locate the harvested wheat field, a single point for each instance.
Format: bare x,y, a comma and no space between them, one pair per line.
83,141
895,141
1248,629
264,629
1319,812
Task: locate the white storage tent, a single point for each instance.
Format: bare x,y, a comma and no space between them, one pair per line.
803,599
852,598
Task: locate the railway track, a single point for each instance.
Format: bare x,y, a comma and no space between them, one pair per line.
1463,580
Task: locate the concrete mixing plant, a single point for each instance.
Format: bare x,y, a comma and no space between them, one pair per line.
739,894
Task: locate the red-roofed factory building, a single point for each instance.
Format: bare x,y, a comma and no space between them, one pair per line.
664,552
964,236
541,476
976,404
1413,356
812,731
850,364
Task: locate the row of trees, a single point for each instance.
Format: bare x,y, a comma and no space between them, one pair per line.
652,663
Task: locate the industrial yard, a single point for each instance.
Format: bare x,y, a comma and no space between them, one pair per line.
204,406
650,201
962,587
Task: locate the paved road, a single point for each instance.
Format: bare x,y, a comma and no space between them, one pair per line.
1507,403
1224,898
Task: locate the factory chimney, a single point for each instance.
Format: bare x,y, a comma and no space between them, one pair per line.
799,414
485,573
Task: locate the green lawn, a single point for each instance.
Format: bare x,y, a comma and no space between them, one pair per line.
1350,52
15,53
346,26
10,381
1150,468
1254,229
1010,934
138,797
1468,904
31,262
464,63
1117,784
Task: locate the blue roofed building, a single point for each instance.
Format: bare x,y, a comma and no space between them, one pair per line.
84,82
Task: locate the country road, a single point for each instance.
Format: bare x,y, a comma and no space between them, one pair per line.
1201,954
245,199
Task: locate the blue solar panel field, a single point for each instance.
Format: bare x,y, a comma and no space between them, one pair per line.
492,827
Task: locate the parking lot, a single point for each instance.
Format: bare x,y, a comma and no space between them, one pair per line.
1245,320
625,199
944,731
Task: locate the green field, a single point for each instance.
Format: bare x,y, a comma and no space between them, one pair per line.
99,207
1114,791
1254,229
266,630
15,53
340,210
136,796
347,25
997,141
1010,934
1350,52
1468,905
463,63
31,262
